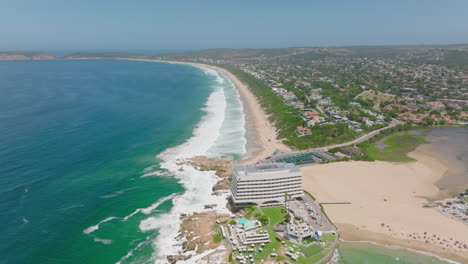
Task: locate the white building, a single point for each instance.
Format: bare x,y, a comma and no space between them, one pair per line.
265,184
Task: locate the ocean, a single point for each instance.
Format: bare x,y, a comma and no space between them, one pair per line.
368,253
89,153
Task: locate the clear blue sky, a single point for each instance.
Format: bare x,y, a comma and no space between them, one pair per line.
197,24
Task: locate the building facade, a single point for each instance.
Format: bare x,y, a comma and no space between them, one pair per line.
265,184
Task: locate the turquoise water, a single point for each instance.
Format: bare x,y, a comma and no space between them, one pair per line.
366,253
246,222
89,159
79,177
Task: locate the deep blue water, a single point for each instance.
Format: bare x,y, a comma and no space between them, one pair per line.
79,178
75,139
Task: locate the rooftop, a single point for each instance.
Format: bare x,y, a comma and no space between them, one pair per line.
266,167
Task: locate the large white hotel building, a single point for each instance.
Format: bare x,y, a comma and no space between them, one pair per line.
265,184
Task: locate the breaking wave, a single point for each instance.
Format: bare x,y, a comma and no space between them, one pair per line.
220,132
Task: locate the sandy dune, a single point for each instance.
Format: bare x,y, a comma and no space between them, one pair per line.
368,184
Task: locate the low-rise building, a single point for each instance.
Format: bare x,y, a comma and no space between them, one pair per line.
303,131
314,119
325,101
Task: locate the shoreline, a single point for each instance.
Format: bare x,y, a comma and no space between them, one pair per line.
401,220
400,248
264,133
266,143
258,129
352,234
264,136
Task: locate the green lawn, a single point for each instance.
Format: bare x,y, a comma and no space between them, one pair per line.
286,119
253,211
275,215
397,146
313,258
328,238
218,237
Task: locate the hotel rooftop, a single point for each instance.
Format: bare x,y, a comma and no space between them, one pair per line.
265,184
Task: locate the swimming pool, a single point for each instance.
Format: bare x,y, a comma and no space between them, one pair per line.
246,222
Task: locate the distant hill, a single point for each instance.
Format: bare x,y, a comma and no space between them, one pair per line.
456,58
106,55
26,55
449,55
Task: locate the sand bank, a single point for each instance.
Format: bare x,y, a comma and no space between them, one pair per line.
401,220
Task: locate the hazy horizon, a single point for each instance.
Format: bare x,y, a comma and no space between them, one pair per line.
156,25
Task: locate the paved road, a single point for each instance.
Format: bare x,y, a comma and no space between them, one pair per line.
360,139
352,142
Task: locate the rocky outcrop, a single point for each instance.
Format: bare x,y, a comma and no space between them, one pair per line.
222,166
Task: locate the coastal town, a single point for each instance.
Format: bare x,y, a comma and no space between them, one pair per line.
309,109
234,132
323,97
273,220
365,91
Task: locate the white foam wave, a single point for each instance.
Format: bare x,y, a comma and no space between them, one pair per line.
93,228
232,140
150,208
102,240
216,74
130,253
197,184
116,193
71,207
156,173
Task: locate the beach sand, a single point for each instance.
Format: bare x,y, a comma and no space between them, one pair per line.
401,220
263,132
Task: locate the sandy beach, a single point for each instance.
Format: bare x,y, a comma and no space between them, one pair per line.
401,220
264,133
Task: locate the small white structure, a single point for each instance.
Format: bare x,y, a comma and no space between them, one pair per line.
318,235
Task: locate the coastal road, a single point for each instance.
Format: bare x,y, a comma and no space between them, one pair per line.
352,142
357,140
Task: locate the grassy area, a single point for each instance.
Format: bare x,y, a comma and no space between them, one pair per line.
275,215
253,211
397,146
286,119
328,238
313,258
218,238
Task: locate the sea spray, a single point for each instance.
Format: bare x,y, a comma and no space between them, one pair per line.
150,208
93,228
232,140
65,171
198,184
